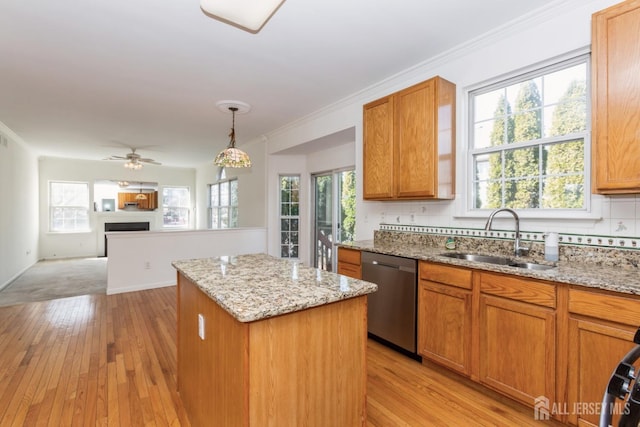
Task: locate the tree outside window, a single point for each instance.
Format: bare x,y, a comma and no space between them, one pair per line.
528,139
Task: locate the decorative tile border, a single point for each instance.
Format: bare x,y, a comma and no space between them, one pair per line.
534,236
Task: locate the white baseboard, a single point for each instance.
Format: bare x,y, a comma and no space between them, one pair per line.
136,288
18,274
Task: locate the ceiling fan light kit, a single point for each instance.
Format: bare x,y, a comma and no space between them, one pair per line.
232,157
133,160
249,15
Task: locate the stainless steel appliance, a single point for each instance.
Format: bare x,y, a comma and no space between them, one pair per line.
392,309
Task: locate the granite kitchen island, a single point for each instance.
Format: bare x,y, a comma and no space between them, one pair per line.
264,341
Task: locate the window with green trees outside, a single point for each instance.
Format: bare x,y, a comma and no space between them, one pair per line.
527,139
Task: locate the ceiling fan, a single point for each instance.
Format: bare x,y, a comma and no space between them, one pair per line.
134,160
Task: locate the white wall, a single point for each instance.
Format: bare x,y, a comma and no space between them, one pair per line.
252,188
561,28
67,245
317,160
19,212
142,260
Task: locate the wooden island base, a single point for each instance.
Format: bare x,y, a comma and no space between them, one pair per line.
306,368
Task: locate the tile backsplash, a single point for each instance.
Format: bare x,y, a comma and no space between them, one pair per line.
527,235
612,251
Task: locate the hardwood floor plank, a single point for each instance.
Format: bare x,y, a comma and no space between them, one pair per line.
102,360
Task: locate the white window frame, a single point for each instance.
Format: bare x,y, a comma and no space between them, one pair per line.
84,207
231,207
466,210
187,207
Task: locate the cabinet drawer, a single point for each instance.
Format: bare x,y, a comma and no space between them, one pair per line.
614,308
350,270
351,256
454,276
527,290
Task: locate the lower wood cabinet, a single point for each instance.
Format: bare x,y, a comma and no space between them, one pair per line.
517,346
349,262
444,316
601,331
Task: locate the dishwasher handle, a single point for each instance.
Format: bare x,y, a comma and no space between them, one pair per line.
395,267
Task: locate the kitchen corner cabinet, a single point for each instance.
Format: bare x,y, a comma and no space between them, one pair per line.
409,143
615,98
517,336
349,262
444,315
601,331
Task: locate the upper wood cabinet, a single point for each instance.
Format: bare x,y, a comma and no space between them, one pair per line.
616,96
409,143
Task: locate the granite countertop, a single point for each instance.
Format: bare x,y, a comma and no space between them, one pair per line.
258,286
593,276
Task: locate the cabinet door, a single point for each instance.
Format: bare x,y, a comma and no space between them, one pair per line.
616,95
349,262
596,349
517,348
444,325
378,152
415,138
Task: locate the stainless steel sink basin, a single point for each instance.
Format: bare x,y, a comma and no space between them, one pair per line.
531,266
498,260
479,258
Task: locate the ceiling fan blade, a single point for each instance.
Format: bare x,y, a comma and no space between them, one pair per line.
115,158
150,161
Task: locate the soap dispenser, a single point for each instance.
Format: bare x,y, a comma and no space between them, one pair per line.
551,247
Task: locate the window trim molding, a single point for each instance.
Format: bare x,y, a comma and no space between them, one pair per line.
188,207
209,205
50,229
464,204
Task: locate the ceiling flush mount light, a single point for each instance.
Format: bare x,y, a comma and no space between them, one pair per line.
232,157
250,15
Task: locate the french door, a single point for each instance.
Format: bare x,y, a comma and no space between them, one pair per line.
334,216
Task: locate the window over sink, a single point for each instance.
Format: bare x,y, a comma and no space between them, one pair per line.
529,139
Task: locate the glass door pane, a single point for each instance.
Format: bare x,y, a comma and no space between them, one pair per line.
334,215
323,221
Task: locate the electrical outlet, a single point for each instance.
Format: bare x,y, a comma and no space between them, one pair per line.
201,326
147,265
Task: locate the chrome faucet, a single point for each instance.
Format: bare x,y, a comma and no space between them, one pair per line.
518,250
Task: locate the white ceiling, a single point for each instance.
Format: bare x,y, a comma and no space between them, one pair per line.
85,79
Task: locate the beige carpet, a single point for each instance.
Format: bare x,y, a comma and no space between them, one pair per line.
52,279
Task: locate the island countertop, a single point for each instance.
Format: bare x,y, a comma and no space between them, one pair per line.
258,286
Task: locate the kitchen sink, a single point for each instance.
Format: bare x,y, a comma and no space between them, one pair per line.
490,259
498,260
531,266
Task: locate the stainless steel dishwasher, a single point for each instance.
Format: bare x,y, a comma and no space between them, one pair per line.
392,309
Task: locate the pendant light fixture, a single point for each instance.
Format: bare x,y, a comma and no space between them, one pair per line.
141,195
249,15
232,157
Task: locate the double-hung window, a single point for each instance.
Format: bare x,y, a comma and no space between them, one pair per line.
175,207
68,206
529,139
223,204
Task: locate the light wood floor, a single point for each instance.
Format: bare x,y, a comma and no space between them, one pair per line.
111,360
